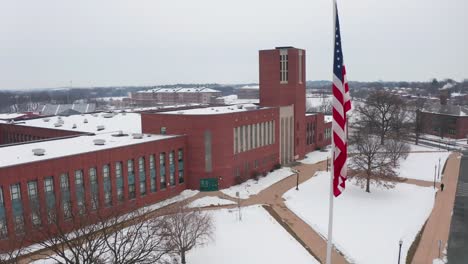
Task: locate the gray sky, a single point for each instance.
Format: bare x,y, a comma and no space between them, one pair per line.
47,43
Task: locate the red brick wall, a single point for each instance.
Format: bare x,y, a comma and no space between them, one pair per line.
319,140
429,121
221,126
54,167
273,93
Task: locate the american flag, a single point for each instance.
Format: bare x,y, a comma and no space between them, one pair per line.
341,105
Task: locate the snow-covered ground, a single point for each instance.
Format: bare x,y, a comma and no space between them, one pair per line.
180,197
367,226
209,201
257,239
316,156
252,187
421,166
414,147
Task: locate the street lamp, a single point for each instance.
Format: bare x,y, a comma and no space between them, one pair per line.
297,178
399,251
438,175
435,173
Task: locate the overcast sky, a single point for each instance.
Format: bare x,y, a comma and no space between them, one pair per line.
48,43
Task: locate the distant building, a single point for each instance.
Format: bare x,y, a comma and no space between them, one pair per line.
248,92
445,121
164,96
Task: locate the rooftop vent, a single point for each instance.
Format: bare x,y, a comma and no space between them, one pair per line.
74,126
46,119
99,142
240,106
38,152
85,121
108,115
119,134
124,113
100,127
95,115
137,136
57,124
250,107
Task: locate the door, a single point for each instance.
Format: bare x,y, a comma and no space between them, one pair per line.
208,184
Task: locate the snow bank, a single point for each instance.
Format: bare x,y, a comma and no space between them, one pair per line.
420,166
258,238
182,196
252,187
209,201
367,226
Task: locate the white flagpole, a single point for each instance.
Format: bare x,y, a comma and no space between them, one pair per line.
330,206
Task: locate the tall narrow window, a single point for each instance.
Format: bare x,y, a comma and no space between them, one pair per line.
241,136
171,169
119,181
50,199
17,206
162,169
94,188
142,175
235,140
3,223
65,191
34,203
180,154
107,185
131,179
79,187
152,167
284,66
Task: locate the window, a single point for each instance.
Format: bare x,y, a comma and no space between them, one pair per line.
3,228
15,192
208,165
32,189
171,168
92,176
1,197
119,180
79,177
142,175
163,130
64,183
107,185
162,169
284,66
180,154
152,165
67,213
235,140
36,219
19,223
131,179
118,170
300,66
241,136
255,133
48,185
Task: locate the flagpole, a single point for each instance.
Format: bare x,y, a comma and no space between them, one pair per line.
330,205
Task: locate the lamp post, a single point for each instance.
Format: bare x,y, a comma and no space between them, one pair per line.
297,178
435,173
327,163
399,251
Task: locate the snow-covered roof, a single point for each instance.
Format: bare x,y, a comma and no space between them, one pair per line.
216,110
181,90
56,109
10,116
89,122
22,153
256,87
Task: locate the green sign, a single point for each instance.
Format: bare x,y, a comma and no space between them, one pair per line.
209,184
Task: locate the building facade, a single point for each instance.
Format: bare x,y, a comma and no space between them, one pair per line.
59,168
164,96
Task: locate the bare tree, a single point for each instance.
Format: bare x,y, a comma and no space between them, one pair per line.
133,237
383,113
187,229
13,255
375,162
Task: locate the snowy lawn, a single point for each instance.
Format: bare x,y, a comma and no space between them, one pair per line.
209,201
420,166
316,156
253,187
367,226
258,238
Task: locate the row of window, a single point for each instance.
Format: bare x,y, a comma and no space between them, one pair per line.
327,133
254,136
15,138
96,185
283,66
310,132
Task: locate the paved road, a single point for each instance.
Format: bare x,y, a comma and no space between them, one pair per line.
457,252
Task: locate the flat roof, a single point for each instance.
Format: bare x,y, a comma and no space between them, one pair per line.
22,153
181,90
111,121
217,110
11,116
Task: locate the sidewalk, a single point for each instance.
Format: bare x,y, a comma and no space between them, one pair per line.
438,223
